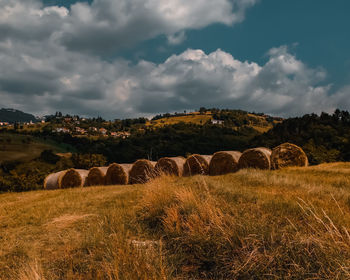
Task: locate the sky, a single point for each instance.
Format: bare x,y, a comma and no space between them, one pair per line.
131,58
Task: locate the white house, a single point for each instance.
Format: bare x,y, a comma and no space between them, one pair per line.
217,122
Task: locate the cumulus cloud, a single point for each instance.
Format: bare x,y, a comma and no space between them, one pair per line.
29,20
52,78
284,85
109,25
117,24
49,60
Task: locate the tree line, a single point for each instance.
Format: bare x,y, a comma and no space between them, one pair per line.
324,138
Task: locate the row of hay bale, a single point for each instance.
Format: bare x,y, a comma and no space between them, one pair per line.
141,171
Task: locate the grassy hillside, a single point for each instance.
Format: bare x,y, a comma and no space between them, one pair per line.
24,148
257,122
288,224
194,118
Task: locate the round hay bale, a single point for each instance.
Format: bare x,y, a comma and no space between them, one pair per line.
142,171
258,158
72,178
51,180
171,165
197,164
96,176
224,162
118,174
288,154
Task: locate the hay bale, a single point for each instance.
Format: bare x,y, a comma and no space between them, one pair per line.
51,181
258,158
96,176
142,171
72,178
171,165
118,174
224,162
197,164
288,154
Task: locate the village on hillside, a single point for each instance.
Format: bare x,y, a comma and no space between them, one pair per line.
98,127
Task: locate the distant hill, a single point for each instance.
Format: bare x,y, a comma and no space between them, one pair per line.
12,116
228,118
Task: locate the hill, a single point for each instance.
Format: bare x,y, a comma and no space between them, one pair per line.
17,147
194,118
225,117
12,116
286,224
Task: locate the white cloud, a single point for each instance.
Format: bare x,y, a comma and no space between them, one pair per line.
43,66
119,24
109,25
46,78
284,85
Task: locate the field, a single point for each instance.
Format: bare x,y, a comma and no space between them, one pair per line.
190,118
201,119
287,224
24,148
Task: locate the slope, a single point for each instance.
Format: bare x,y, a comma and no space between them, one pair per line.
287,224
24,147
12,116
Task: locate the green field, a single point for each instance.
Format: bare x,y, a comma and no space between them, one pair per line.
25,148
191,118
287,224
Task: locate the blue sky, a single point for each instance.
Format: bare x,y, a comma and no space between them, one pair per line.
124,58
318,33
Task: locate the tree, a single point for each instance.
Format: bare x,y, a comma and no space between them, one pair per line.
202,110
49,156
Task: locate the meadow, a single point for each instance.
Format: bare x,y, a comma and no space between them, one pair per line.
287,224
199,119
25,147
260,124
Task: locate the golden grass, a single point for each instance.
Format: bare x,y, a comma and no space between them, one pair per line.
191,118
254,224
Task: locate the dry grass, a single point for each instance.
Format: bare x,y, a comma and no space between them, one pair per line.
192,118
287,224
